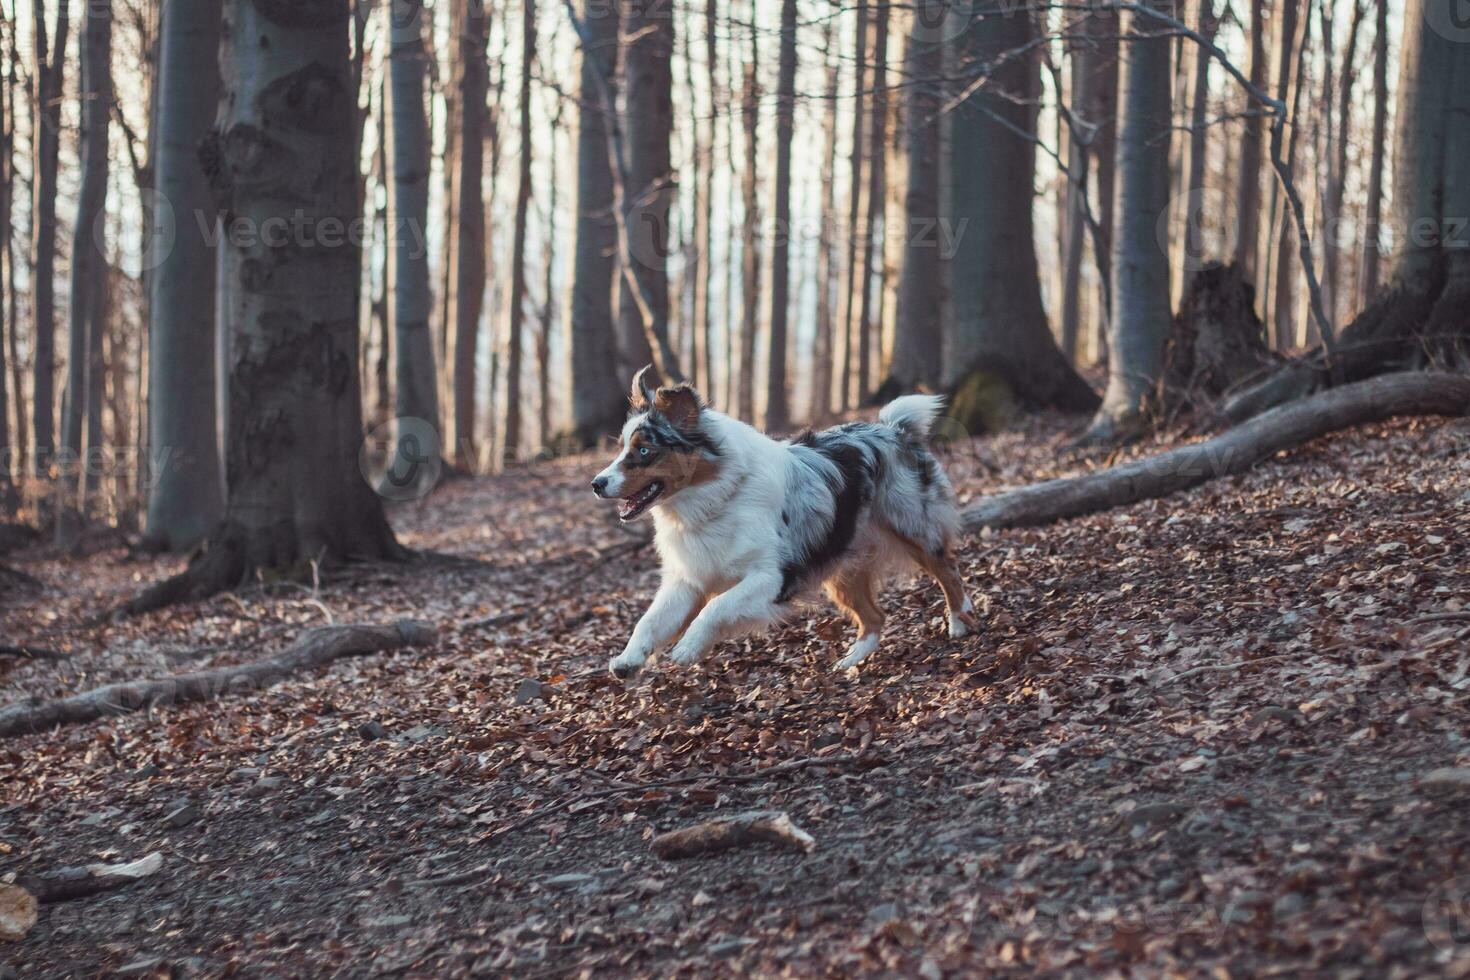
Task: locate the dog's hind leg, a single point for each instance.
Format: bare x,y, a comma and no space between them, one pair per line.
941,567
854,591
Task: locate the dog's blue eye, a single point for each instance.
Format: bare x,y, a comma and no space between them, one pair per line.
642,450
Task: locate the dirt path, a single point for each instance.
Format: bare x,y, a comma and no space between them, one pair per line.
1192,736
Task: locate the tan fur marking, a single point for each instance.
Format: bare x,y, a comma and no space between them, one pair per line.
853,591
942,569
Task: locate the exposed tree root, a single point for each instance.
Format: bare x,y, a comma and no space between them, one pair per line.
315,647
234,554
1235,451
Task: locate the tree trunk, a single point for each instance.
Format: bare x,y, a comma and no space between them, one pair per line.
47,77
185,497
999,342
750,236
850,297
1283,319
282,160
1418,317
919,334
1195,248
88,263
876,198
1338,166
511,448
1095,101
778,411
822,344
648,32
707,242
9,466
1139,322
598,397
1373,222
1248,190
416,386
469,258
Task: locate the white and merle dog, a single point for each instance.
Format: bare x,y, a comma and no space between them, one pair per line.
746,525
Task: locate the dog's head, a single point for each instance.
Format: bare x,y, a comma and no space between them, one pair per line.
664,448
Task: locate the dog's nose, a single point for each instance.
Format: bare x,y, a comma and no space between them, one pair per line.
599,486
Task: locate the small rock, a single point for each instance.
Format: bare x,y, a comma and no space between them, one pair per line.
372,731
148,771
1288,906
1154,815
181,816
529,689
728,947
246,773
701,899
886,912
567,881
1274,712
145,965
264,786
1086,867
1446,780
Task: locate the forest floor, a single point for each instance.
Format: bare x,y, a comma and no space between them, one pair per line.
1195,736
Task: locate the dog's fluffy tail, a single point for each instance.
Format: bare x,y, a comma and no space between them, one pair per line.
913,415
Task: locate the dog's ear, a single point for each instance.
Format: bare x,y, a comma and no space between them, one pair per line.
642,395
680,404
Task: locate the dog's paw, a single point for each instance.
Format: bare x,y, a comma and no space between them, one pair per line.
684,654
624,667
962,621
858,652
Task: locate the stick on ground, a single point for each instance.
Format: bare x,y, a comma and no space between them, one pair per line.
315,647
1235,451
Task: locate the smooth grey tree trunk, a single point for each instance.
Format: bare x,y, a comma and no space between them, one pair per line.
88,262
1248,187
823,349
281,159
778,410
416,383
1199,144
877,197
9,468
467,286
1373,220
517,320
598,396
48,75
918,333
998,336
186,496
851,298
1287,258
750,238
648,33
1140,317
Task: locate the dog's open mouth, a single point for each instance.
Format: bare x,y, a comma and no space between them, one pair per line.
630,507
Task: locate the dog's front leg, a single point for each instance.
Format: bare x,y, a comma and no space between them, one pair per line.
672,607
747,605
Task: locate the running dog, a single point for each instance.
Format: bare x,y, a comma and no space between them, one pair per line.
745,525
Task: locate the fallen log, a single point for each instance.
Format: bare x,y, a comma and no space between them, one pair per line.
1234,451
315,648
67,884
736,830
